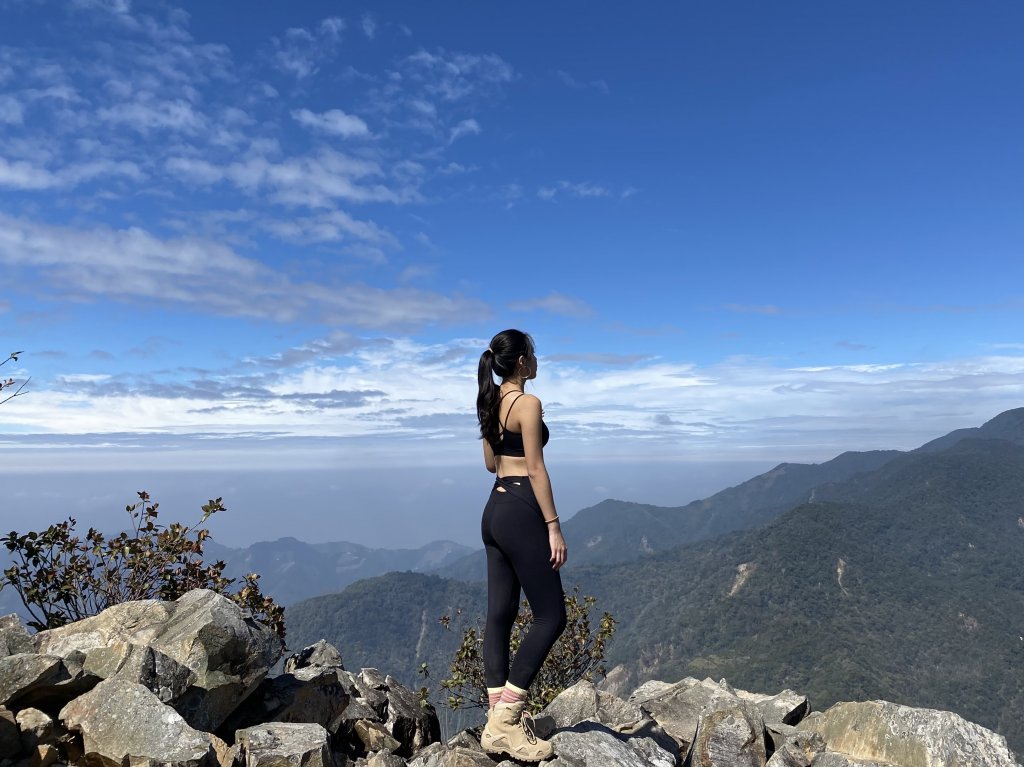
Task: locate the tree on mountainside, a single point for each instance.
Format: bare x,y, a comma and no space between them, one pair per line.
9,383
578,654
62,577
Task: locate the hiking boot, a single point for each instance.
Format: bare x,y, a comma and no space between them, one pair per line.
509,730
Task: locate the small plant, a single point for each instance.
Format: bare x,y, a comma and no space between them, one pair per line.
578,654
62,577
9,383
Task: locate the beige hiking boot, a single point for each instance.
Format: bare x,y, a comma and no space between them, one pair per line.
509,730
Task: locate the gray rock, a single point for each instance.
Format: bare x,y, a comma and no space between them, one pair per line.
730,737
412,724
678,707
10,737
618,682
24,677
161,674
37,728
374,736
201,630
908,737
385,759
124,723
318,698
595,745
469,738
787,707
284,744
320,654
441,755
829,759
14,637
793,748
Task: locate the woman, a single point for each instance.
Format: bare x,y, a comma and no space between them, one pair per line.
523,542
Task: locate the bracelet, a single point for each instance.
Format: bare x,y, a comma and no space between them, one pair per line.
553,519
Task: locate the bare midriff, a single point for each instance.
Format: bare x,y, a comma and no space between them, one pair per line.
510,466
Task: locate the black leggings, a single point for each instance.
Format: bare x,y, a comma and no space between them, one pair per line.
518,556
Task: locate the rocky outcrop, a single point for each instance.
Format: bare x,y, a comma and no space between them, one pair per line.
909,737
203,631
185,684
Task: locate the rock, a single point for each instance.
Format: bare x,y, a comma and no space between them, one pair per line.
908,737
441,755
469,738
25,678
385,759
284,744
37,728
320,654
161,674
14,637
43,755
124,723
787,707
412,724
10,737
730,737
594,745
792,747
318,698
678,707
369,696
374,736
202,630
829,759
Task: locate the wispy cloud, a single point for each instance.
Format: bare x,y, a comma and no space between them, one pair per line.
554,303
301,51
766,309
334,122
369,26
469,127
131,265
579,190
568,80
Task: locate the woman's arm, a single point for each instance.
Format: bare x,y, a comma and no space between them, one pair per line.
531,429
489,457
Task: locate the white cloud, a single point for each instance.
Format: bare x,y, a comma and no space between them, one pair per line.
132,265
11,111
468,127
455,76
768,309
572,82
369,26
146,115
25,176
578,189
301,51
554,303
333,121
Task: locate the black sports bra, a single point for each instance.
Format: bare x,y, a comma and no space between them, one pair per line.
511,442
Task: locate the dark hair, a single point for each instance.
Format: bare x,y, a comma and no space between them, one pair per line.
502,359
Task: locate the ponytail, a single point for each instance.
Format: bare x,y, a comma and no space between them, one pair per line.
487,398
500,358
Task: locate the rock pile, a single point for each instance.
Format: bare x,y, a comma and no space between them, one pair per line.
184,684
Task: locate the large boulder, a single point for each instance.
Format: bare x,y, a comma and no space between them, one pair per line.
595,745
321,653
680,707
311,695
443,755
123,723
730,737
908,737
14,637
28,679
228,653
284,744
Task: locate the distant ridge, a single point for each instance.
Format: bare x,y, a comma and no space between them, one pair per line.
291,570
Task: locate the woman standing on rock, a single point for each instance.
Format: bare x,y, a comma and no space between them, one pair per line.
523,542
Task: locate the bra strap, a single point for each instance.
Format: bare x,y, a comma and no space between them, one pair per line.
510,411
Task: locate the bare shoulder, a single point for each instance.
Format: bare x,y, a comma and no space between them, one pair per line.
530,403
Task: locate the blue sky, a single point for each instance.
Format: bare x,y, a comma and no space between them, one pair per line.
280,235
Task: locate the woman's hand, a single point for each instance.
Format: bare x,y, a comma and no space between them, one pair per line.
559,553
